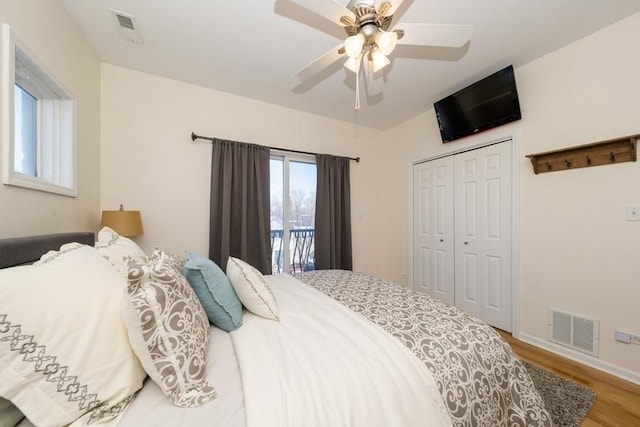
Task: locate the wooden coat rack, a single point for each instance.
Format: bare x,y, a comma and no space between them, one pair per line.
608,152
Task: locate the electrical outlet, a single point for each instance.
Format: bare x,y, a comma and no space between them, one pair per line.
627,338
623,337
633,213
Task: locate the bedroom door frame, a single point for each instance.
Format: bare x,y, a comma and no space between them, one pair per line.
494,138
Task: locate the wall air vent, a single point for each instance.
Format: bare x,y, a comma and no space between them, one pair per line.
574,331
127,26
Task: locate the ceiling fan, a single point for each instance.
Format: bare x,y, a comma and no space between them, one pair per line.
370,41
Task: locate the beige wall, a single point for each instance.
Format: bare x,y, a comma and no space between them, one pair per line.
577,252
150,163
53,38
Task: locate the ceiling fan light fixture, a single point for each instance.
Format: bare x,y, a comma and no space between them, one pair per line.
386,41
379,60
353,64
353,45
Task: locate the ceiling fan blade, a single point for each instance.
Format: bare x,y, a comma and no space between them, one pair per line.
446,35
321,63
373,81
328,9
395,5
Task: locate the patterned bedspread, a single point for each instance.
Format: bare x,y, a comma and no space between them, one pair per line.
482,381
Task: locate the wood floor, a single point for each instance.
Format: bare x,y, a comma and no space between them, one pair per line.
618,401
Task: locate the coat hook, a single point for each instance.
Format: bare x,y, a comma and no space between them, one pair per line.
612,156
588,160
568,163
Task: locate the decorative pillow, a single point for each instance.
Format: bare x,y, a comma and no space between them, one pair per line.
10,416
64,350
166,259
168,330
119,250
252,289
214,292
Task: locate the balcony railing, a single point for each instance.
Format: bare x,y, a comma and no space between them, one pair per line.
301,250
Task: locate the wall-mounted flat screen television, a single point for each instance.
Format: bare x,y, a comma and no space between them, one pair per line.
490,102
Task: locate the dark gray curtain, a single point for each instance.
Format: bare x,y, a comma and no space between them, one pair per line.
239,219
333,214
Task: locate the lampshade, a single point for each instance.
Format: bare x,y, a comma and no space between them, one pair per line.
353,64
386,41
125,223
353,45
379,60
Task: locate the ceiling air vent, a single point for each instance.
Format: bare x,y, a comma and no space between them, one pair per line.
126,22
127,26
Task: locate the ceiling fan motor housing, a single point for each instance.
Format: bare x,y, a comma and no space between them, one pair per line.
368,21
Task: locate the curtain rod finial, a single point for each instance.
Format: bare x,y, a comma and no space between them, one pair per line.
357,159
193,136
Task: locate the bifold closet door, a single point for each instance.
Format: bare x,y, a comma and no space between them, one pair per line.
433,219
483,233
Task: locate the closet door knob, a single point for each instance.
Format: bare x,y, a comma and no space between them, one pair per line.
442,240
466,243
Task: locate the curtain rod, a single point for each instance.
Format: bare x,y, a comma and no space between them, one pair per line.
194,137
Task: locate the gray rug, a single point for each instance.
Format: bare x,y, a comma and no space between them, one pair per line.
567,402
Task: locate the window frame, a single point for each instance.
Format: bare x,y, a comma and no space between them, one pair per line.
287,157
59,163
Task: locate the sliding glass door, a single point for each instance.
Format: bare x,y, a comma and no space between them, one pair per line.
293,200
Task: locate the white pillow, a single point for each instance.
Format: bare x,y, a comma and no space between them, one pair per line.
64,350
51,254
168,329
252,289
119,250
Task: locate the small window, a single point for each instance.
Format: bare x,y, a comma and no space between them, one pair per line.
39,139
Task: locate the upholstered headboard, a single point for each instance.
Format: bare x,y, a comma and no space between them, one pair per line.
24,250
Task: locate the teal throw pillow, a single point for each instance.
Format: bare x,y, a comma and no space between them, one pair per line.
214,291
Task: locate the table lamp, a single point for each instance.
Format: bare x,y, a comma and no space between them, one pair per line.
125,223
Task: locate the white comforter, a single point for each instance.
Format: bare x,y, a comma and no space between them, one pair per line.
325,365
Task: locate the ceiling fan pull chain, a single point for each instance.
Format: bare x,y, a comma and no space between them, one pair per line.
357,106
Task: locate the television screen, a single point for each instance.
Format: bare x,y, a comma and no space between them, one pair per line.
490,102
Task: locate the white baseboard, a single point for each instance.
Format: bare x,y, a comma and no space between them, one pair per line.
585,359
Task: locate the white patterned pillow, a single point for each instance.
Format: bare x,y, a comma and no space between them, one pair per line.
64,350
168,330
252,289
119,250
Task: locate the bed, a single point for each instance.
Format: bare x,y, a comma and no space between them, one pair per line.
323,348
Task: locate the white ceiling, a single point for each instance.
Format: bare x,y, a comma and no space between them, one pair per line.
253,48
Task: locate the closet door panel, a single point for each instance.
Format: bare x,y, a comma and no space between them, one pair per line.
422,239
483,209
433,231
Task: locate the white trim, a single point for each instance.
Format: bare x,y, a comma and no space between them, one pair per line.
8,58
410,283
515,231
495,138
300,157
10,42
580,357
505,138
